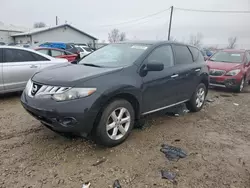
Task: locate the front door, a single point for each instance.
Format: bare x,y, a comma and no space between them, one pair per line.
18,67
159,88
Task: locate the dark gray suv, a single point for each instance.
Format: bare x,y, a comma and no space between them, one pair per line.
107,91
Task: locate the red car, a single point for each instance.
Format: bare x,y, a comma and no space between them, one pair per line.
230,69
58,53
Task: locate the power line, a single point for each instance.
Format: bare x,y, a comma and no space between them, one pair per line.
138,19
213,11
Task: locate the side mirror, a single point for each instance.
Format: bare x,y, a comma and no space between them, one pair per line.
154,66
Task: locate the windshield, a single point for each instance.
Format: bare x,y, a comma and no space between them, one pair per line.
115,55
230,57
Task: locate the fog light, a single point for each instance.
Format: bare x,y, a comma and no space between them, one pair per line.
68,121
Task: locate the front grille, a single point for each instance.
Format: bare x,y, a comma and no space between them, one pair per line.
39,89
215,72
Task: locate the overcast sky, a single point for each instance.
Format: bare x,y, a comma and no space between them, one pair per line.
92,16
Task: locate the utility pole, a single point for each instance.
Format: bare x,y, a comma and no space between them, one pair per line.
56,20
170,22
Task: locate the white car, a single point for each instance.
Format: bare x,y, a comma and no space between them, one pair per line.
84,50
17,66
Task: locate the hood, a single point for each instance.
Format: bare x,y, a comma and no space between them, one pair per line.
223,65
69,75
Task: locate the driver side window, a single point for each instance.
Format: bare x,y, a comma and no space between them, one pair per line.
162,54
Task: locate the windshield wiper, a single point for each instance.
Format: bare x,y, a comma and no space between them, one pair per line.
91,65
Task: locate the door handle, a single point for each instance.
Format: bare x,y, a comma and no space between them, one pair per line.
33,66
174,75
197,70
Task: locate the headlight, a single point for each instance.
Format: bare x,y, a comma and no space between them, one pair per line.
74,93
233,72
28,86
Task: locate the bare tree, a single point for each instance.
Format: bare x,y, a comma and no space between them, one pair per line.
232,42
115,36
196,40
39,25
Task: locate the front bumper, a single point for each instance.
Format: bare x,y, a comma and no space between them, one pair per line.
231,82
75,116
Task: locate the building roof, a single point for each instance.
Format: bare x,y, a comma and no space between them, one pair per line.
4,27
40,30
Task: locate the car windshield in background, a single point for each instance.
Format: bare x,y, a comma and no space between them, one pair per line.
115,55
79,49
229,57
87,49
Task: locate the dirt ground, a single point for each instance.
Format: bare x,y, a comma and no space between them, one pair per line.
217,141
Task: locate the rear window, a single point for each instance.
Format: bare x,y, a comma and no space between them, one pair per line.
229,57
183,55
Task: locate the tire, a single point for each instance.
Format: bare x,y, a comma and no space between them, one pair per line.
118,131
240,87
200,94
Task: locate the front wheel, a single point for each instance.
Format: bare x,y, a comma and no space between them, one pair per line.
240,86
115,124
197,100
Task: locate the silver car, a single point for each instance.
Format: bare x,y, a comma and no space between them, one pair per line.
17,65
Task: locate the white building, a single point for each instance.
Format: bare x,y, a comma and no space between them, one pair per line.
61,33
6,32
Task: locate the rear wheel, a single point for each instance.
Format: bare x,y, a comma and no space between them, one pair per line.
198,98
115,124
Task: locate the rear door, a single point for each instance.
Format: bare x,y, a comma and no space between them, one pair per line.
18,67
184,77
1,71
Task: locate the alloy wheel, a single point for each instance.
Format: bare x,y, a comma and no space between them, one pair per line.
118,123
200,97
242,84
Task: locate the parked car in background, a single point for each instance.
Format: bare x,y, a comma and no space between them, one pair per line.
112,87
2,43
60,45
17,65
84,50
58,53
230,69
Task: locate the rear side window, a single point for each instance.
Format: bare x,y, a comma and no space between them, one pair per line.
197,54
182,55
55,53
162,54
44,51
15,55
39,57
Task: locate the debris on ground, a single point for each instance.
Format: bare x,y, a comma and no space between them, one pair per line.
177,140
168,175
177,111
172,152
236,104
210,100
102,160
117,184
86,185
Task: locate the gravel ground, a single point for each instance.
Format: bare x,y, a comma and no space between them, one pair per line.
217,141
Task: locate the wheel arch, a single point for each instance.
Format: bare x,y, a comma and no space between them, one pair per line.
133,96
